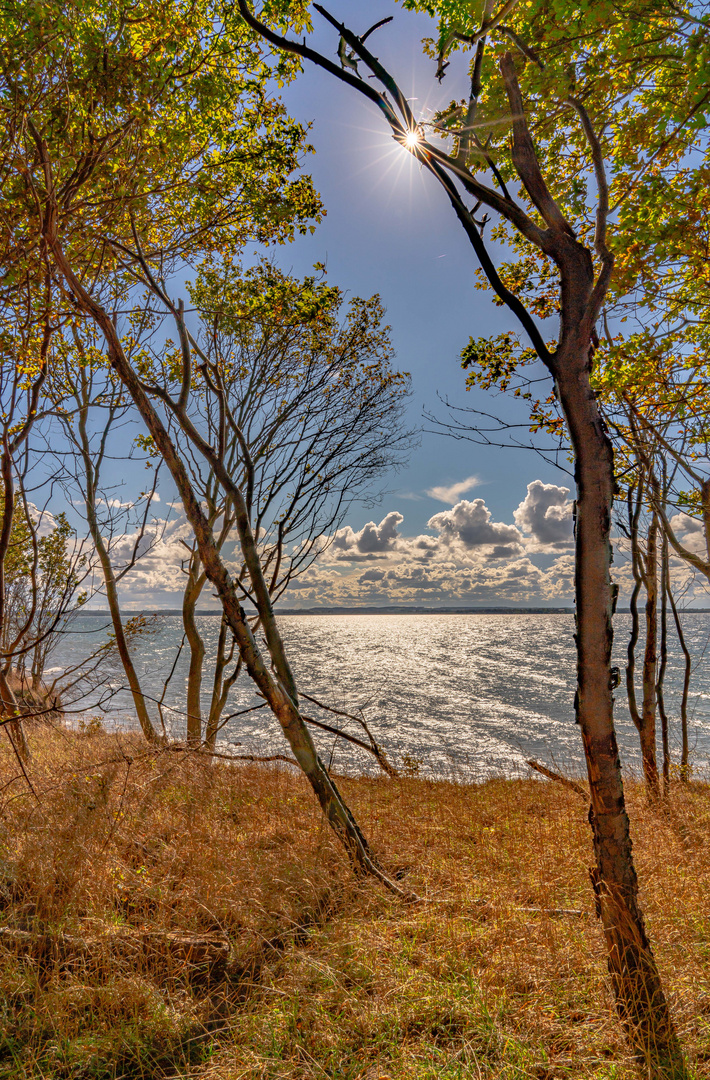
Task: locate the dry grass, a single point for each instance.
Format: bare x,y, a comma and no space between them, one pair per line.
130,870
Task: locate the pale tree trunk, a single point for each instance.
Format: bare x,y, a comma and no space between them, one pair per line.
11,714
634,516
220,685
196,580
8,702
644,571
114,607
705,501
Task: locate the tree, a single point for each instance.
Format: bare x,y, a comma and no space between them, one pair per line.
85,387
153,142
41,580
654,388
305,412
585,86
26,330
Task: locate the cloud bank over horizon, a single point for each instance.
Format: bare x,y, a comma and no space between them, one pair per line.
464,558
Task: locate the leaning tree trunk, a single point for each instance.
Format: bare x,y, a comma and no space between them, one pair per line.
639,995
272,688
124,652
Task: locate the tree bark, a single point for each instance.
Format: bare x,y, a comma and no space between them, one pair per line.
662,669
220,686
124,652
685,748
193,590
648,714
280,701
8,702
634,515
705,501
11,711
640,1000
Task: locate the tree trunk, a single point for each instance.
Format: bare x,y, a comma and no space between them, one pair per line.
114,607
705,501
281,703
8,701
109,576
220,685
634,515
685,749
639,995
193,590
10,709
648,713
662,669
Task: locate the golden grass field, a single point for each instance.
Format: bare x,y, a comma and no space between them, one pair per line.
161,917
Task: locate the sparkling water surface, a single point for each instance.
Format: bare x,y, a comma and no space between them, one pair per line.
453,695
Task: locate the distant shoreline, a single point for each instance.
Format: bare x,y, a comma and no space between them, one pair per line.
380,611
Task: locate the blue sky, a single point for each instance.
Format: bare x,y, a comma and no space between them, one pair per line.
505,537
389,229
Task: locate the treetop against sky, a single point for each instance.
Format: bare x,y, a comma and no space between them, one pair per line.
462,521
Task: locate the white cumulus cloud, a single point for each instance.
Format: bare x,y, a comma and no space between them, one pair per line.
470,524
546,514
371,540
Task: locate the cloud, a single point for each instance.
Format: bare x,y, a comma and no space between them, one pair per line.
690,533
371,575
44,520
683,523
371,538
454,492
546,514
371,557
466,559
470,524
444,582
503,551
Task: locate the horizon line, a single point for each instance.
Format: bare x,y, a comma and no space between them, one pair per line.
378,609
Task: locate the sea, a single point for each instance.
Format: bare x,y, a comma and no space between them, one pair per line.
461,696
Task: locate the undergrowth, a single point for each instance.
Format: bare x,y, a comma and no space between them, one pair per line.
164,917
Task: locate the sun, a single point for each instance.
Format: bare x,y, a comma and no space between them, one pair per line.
412,139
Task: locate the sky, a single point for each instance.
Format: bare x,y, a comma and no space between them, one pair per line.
462,524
